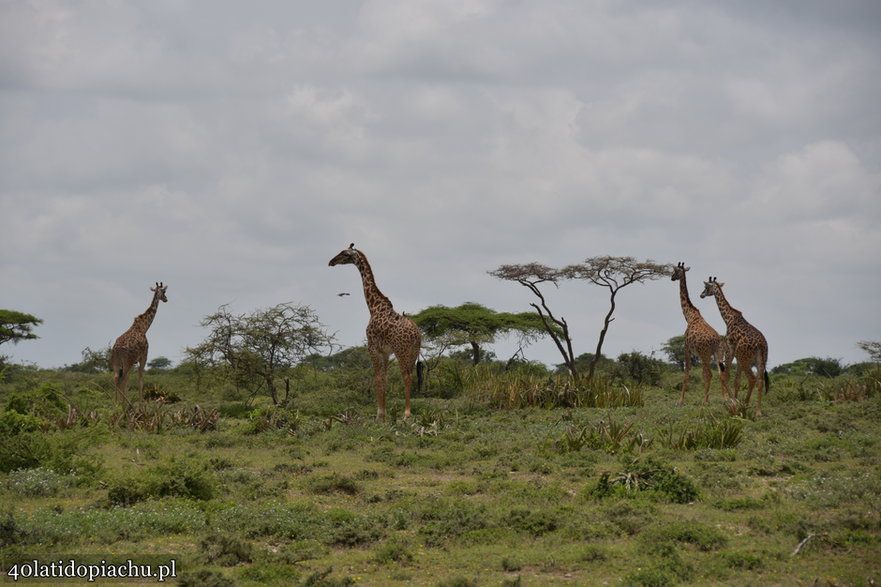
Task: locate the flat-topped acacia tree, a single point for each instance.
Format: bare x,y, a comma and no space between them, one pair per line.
531,275
475,325
613,273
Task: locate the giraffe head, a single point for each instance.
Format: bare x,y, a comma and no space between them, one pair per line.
679,271
349,255
711,287
159,291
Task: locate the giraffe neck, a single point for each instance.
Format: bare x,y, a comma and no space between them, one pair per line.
729,314
146,319
376,300
688,309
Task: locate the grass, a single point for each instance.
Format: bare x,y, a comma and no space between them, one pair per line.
628,493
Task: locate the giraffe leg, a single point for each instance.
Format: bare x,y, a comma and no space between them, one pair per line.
723,375
761,373
751,383
141,366
123,389
408,383
121,383
380,375
708,377
737,380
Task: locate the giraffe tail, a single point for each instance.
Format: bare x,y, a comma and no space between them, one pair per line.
767,382
419,369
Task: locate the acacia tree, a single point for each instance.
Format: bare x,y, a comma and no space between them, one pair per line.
473,324
257,349
674,348
613,273
531,275
17,326
872,347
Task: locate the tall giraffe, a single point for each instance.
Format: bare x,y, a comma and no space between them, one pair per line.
131,347
701,339
745,344
387,332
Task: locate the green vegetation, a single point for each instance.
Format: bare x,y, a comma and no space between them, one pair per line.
502,476
17,326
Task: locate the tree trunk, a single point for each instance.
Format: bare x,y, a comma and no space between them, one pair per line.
606,322
475,352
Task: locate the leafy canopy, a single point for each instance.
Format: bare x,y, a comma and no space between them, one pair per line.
256,349
474,324
17,326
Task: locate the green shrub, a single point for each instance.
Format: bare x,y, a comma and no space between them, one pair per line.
650,477
530,521
21,444
629,516
44,403
10,531
177,478
448,520
333,483
225,550
701,536
38,482
393,550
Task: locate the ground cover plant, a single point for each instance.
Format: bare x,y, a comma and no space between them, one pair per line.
500,477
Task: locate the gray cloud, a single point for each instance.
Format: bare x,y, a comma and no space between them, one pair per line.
231,150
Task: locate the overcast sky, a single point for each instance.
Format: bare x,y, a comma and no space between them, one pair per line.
230,149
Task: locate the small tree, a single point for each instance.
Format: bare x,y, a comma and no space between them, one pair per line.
613,273
473,324
258,348
17,326
531,275
160,363
873,348
94,361
674,348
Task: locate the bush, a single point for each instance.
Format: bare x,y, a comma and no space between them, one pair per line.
225,550
530,521
21,444
334,483
650,477
175,479
38,482
702,537
643,369
44,403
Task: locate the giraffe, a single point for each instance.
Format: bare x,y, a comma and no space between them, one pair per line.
387,332
701,339
131,347
745,344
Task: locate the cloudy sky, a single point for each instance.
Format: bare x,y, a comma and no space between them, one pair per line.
230,149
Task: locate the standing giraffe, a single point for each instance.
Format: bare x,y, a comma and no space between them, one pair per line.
387,332
131,347
745,344
701,339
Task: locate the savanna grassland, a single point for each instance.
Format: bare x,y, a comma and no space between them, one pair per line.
498,478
